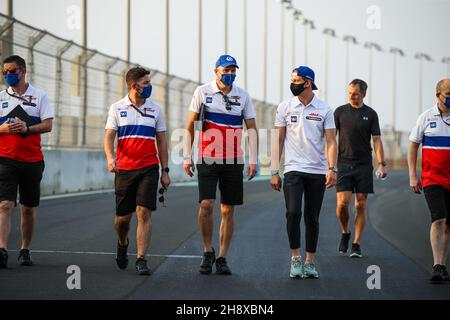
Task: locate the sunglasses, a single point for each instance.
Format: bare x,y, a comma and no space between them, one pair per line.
161,198
226,101
5,72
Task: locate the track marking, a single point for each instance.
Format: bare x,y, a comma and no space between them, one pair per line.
177,256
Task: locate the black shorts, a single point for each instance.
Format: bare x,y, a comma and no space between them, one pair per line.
136,188
356,178
230,178
438,200
23,176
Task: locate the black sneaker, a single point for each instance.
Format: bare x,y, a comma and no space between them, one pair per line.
142,268
25,257
122,257
3,258
445,275
437,273
208,260
222,267
343,245
356,251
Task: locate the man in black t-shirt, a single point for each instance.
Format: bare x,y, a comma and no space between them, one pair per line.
356,123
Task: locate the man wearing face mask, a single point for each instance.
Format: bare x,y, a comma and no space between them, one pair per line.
224,107
303,124
21,158
432,130
139,126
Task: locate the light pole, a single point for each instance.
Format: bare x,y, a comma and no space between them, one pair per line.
167,40
446,60
199,43
395,52
128,31
348,40
226,26
264,67
289,3
371,46
421,57
309,25
244,2
297,14
328,33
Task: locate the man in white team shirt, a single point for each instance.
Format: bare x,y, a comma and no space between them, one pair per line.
303,124
432,130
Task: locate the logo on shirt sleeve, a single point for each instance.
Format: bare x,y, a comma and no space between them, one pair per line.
123,114
5,104
433,125
208,99
293,119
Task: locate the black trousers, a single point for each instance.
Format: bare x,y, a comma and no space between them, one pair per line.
312,186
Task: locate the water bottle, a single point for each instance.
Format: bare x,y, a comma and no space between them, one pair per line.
378,174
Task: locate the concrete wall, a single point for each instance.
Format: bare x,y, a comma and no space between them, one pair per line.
83,170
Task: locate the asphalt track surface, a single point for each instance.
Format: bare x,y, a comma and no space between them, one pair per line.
79,231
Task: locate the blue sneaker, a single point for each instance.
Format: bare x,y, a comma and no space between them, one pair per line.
310,270
296,267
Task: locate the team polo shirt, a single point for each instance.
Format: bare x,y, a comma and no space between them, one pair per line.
222,129
305,134
434,135
12,145
136,134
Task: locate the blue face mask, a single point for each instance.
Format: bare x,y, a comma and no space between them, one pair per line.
146,92
12,79
447,102
228,79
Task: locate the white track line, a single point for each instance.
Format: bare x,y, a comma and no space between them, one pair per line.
112,253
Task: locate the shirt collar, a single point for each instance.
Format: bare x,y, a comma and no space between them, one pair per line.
295,102
28,92
215,88
128,103
436,110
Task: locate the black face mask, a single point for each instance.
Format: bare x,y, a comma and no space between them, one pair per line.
297,89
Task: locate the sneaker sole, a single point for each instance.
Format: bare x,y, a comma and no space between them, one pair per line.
437,279
312,277
296,276
144,273
356,255
205,271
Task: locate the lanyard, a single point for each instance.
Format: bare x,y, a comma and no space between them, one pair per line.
26,102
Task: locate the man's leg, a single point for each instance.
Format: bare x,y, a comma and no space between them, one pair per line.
360,216
226,228
343,210
6,211
438,238
314,192
27,218
447,243
293,189
144,229
206,223
122,226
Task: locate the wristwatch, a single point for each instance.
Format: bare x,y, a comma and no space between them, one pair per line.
165,170
383,163
272,172
332,169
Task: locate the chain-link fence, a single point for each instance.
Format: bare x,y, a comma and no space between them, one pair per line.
81,85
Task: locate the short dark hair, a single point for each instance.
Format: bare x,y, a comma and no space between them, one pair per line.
17,60
134,74
361,84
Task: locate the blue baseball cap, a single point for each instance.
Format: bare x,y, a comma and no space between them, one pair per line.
307,73
226,60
